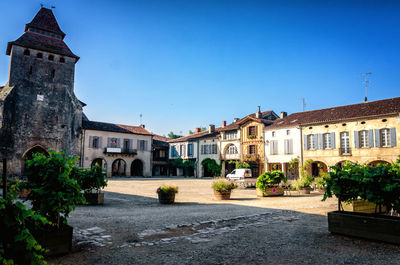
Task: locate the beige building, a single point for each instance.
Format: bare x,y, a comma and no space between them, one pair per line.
121,149
230,147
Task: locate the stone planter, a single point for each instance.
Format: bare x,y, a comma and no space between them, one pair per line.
58,240
166,198
304,191
369,226
94,198
222,195
273,191
362,207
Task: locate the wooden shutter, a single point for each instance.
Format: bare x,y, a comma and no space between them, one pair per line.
100,142
255,130
90,141
305,143
118,143
138,145
130,144
286,146
371,138
145,145
290,146
356,139
320,141
108,142
271,147
315,136
333,140
393,137
377,138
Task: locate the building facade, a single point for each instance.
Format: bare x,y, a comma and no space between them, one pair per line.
160,156
230,146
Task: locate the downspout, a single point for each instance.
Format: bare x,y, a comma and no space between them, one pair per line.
83,148
301,147
197,160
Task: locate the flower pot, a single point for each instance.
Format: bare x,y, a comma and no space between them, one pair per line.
304,190
94,198
361,206
58,240
273,191
222,195
166,198
370,226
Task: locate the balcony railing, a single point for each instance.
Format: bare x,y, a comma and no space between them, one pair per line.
115,150
345,151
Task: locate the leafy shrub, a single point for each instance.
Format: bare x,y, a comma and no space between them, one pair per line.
90,179
223,185
306,179
270,179
167,189
54,193
239,164
17,245
212,166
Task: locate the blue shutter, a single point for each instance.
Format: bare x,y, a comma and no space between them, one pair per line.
320,141
393,137
90,141
371,138
333,140
305,142
315,136
356,140
108,142
377,138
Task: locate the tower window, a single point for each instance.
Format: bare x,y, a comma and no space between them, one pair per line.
30,70
62,60
39,55
53,73
27,52
51,57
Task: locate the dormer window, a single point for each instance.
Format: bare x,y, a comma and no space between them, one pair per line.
62,60
51,57
27,52
39,55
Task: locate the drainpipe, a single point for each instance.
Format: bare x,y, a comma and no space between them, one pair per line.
301,148
197,159
83,148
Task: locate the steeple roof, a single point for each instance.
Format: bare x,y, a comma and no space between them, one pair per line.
45,20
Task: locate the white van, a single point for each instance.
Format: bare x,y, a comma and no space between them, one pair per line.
239,174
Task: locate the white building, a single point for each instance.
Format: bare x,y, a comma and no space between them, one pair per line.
229,146
121,149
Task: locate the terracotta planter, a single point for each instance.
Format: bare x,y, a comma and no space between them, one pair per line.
269,192
222,195
57,240
304,191
166,198
370,226
362,207
94,198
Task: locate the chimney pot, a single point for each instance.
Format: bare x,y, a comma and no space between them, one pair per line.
258,114
142,125
283,114
211,128
235,119
197,130
223,124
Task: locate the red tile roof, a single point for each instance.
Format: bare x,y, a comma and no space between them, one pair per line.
354,111
235,125
196,136
45,20
110,127
161,138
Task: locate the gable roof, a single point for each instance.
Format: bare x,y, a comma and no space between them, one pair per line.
45,20
110,127
353,111
196,136
252,116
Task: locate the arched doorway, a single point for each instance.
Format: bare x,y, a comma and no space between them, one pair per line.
318,167
101,162
137,168
118,167
29,155
376,162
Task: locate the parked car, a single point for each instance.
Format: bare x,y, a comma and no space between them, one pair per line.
239,174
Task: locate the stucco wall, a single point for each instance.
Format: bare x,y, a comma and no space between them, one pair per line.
216,157
280,136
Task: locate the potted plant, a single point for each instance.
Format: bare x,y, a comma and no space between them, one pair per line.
166,194
320,182
379,185
223,188
54,194
91,180
303,184
268,183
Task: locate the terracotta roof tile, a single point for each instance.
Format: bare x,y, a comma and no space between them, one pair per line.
110,127
196,136
360,110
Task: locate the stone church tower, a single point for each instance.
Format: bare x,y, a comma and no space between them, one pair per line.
38,108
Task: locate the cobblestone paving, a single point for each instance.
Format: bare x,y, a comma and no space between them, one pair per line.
93,236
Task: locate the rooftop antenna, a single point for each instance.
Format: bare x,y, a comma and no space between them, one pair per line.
366,86
304,104
53,7
140,118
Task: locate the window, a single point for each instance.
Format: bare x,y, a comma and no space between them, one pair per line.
363,136
27,52
273,134
208,149
230,135
174,152
94,141
51,57
190,149
344,143
252,130
182,150
385,137
161,153
39,55
142,145
62,60
273,147
287,132
327,141
127,144
311,143
232,149
252,149
113,142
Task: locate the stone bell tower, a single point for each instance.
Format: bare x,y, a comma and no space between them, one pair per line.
38,108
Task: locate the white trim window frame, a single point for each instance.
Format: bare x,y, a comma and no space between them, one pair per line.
363,136
310,142
385,137
327,141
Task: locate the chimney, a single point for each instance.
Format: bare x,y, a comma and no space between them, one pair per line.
142,125
197,130
283,114
223,124
211,128
258,114
235,119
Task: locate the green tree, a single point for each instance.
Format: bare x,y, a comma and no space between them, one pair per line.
212,166
172,135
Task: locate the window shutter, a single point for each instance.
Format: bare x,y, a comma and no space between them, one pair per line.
315,136
377,138
320,141
393,137
138,145
130,144
90,141
305,142
286,146
356,140
333,140
290,146
371,138
108,142
271,147
100,142
145,145
118,143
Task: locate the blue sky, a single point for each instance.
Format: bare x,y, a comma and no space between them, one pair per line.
190,63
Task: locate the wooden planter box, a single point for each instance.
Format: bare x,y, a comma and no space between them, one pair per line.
94,198
274,191
369,226
166,198
222,195
361,207
304,191
57,240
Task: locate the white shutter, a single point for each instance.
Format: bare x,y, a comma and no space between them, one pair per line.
393,137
